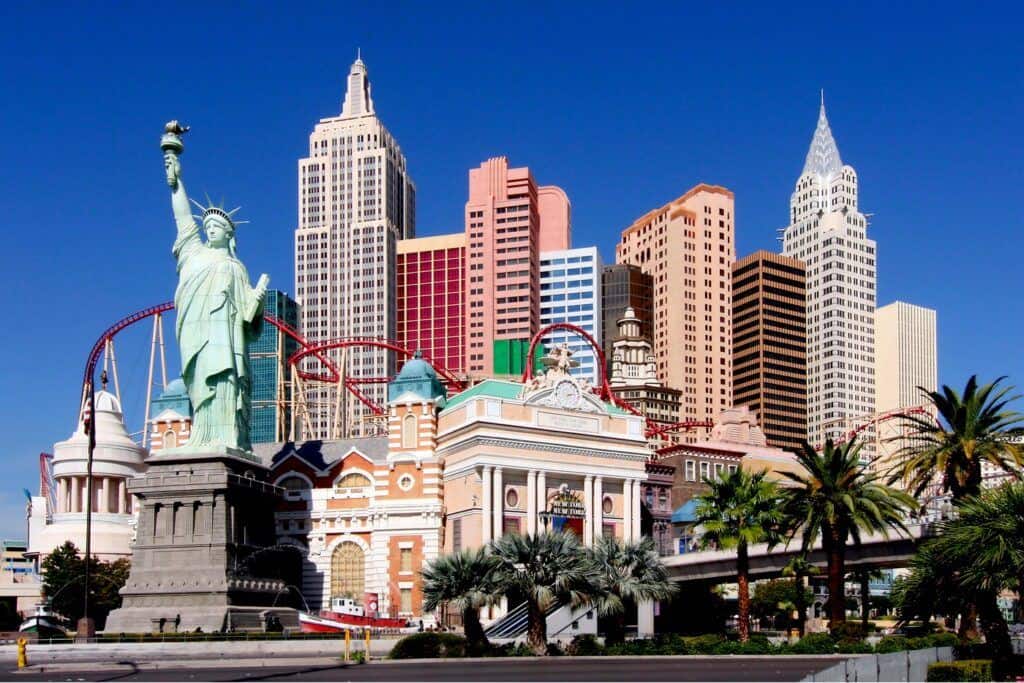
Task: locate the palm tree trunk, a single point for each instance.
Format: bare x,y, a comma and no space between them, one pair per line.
968,622
865,598
801,604
475,636
537,628
743,580
616,629
997,635
836,573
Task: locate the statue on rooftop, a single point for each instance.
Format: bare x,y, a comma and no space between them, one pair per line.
218,313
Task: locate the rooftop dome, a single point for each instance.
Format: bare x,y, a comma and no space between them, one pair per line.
106,402
417,368
175,389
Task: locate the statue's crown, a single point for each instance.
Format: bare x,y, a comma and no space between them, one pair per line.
213,210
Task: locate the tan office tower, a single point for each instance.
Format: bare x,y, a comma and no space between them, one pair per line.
905,355
688,247
769,336
356,201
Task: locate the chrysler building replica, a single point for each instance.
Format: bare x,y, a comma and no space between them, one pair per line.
356,201
829,234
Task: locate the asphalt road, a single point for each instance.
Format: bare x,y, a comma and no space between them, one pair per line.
554,669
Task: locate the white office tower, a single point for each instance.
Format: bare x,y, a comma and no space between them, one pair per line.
829,234
356,201
570,292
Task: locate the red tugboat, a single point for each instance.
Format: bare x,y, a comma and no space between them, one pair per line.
345,614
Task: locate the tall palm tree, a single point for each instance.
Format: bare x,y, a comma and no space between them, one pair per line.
627,571
799,568
972,429
836,498
986,544
737,511
543,567
465,581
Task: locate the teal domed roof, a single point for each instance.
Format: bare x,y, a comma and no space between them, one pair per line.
174,397
418,378
175,388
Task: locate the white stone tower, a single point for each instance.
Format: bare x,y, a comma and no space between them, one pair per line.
356,201
829,234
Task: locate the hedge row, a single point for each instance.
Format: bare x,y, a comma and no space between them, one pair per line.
964,670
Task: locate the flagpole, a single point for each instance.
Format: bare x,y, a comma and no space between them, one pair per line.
86,627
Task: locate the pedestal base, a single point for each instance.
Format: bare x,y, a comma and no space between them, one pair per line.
172,618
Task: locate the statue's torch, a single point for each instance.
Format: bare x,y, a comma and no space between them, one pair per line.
172,146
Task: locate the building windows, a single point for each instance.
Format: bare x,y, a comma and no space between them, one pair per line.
409,431
355,480
405,600
705,470
456,535
512,499
348,571
607,506
405,560
691,470
170,439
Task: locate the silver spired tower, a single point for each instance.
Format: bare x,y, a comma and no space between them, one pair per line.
356,201
829,234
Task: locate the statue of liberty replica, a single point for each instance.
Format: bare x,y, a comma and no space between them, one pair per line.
205,554
218,313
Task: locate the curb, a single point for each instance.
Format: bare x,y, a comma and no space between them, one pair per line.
126,666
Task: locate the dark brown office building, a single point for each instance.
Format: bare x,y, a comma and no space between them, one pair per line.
624,286
769,357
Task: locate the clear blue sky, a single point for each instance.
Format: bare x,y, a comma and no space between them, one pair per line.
623,106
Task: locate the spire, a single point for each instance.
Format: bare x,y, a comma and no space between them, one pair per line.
823,156
358,101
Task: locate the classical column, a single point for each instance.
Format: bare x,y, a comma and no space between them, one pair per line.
542,498
588,510
499,504
627,510
636,510
485,504
104,504
122,496
75,490
598,507
62,495
531,502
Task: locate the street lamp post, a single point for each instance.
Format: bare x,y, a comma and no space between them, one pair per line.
86,627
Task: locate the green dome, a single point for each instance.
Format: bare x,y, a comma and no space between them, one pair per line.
417,377
417,368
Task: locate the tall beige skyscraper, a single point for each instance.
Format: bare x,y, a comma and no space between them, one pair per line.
688,247
828,233
905,355
356,200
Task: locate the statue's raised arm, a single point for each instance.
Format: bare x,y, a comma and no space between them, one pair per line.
172,145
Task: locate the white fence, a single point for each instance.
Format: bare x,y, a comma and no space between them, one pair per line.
911,665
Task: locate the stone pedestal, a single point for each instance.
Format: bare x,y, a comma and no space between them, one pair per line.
204,556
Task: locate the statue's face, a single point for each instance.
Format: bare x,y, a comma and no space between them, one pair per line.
218,232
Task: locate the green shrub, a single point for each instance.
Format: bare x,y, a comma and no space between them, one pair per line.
671,644
946,639
848,630
964,670
358,657
705,644
585,646
854,647
814,644
973,649
429,645
890,644
751,647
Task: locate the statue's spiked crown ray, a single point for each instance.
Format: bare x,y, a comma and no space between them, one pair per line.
214,210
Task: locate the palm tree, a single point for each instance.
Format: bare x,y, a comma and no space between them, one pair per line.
543,567
627,571
863,576
972,429
986,546
836,498
738,511
799,568
465,580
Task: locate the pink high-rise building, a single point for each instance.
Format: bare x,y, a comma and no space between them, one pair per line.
509,221
432,298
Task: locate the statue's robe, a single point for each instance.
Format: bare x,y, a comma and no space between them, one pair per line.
218,313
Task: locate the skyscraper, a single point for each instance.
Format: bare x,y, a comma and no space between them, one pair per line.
829,234
570,292
769,356
356,200
688,247
508,218
624,286
268,357
432,298
905,358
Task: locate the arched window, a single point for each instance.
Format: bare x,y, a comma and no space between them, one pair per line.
354,480
348,571
170,439
409,431
294,483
